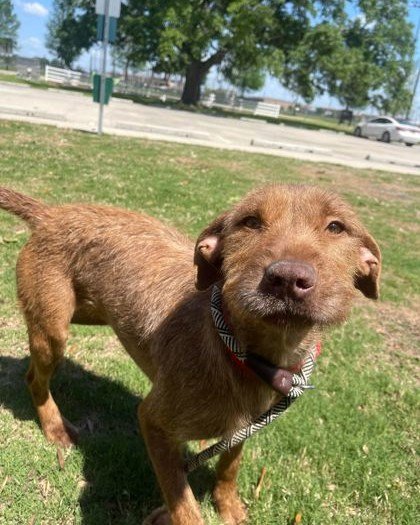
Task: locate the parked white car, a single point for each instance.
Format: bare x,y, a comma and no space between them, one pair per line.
389,129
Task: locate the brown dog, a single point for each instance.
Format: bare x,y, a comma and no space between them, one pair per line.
289,259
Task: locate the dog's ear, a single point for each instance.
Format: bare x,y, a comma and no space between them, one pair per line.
369,267
208,254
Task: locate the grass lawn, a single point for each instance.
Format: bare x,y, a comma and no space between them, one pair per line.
15,79
344,454
10,76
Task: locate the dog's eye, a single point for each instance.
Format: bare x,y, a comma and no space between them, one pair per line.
336,227
254,223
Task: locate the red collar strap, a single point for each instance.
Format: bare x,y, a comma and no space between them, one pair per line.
279,379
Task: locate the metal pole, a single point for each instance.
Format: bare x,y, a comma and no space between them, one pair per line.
416,37
103,69
413,95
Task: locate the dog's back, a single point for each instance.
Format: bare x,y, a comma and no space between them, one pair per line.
91,264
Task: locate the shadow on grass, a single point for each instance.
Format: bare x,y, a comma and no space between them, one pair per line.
120,484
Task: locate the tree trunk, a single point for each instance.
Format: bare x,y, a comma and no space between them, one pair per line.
196,74
126,66
194,77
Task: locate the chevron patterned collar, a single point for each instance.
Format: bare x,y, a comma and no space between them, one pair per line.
290,385
277,378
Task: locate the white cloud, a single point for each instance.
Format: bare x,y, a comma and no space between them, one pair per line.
33,47
33,43
35,8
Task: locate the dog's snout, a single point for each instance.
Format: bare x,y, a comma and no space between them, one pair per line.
289,278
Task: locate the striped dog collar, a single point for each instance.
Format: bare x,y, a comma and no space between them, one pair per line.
281,380
293,387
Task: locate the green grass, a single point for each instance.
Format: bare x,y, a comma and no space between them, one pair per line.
40,83
11,77
15,79
344,454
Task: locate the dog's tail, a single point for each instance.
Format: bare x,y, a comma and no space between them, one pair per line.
27,208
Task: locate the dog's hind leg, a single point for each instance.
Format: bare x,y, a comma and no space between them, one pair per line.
46,352
48,304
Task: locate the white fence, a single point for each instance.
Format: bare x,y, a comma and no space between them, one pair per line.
267,110
62,76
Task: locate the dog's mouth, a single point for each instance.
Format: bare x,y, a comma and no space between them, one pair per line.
287,319
278,311
288,312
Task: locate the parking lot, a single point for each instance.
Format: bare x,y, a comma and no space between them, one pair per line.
77,111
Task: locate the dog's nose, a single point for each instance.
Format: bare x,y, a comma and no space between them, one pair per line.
289,278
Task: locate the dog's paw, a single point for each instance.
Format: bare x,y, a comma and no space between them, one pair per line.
159,516
229,505
236,514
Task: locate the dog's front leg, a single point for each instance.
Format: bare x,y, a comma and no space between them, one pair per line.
168,463
226,498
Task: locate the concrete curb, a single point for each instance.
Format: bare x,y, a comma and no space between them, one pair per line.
121,100
163,130
14,85
67,92
289,146
34,114
383,160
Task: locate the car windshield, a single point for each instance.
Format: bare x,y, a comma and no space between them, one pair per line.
405,122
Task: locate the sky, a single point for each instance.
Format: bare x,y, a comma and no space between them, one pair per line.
33,17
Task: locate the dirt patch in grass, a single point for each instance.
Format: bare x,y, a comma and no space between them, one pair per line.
406,227
399,326
340,178
189,162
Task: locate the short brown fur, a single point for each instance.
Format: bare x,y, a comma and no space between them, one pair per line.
102,265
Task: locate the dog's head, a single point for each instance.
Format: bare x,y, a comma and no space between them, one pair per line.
289,253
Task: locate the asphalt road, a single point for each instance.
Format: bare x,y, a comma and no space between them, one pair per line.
77,111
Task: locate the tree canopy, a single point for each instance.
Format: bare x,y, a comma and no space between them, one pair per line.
364,59
71,29
252,78
358,51
9,26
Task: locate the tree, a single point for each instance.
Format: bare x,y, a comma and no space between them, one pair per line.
189,38
363,59
9,26
71,29
395,98
312,46
192,37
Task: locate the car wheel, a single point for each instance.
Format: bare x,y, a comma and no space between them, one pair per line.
386,137
409,144
358,132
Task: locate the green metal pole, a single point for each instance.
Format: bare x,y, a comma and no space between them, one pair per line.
103,69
